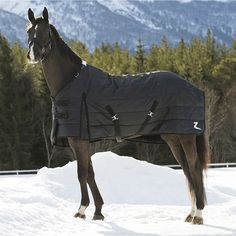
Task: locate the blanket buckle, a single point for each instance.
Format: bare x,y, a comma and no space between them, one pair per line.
113,118
150,113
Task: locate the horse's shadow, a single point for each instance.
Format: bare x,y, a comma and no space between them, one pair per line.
112,229
230,231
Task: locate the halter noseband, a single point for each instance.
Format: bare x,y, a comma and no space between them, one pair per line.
43,48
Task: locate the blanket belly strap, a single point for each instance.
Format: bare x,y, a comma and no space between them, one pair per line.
85,107
148,117
115,120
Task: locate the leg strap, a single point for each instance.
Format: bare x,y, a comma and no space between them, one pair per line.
148,117
115,120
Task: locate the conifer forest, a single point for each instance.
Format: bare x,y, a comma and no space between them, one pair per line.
25,105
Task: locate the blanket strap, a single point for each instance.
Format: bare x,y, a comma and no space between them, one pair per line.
115,120
84,103
148,117
54,123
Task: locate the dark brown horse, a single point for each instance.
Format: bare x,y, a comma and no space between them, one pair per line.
60,64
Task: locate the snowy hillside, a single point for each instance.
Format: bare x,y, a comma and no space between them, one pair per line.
16,31
140,199
97,21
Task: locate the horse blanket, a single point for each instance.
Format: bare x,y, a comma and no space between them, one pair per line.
96,105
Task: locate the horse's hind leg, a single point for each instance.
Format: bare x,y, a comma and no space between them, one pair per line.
98,201
80,149
188,143
178,152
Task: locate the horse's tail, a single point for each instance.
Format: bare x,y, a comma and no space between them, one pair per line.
203,150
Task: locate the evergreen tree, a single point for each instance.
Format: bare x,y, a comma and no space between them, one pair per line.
152,58
210,56
126,65
121,61
165,55
117,60
210,47
195,55
140,58
180,58
81,49
225,72
103,57
6,105
18,118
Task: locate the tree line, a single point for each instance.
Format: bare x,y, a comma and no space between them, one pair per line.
25,109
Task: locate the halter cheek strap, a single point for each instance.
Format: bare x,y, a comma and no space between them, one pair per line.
43,48
48,46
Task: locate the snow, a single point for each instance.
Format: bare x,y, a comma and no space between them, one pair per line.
127,8
140,199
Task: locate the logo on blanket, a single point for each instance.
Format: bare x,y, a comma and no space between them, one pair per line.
196,125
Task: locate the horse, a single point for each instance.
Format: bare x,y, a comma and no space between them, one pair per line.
60,65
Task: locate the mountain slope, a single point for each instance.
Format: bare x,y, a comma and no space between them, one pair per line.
12,26
97,21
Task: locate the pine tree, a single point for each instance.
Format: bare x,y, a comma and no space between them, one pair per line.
6,105
210,56
140,58
180,58
225,72
152,58
81,49
18,118
195,54
117,60
165,55
210,46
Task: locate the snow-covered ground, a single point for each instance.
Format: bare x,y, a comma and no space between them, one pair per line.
140,199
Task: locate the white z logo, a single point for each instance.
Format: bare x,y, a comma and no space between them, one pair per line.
195,125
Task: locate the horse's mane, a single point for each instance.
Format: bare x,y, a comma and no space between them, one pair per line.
64,48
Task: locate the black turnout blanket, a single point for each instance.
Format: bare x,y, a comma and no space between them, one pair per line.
96,105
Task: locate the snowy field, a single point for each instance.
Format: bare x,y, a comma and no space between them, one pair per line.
140,199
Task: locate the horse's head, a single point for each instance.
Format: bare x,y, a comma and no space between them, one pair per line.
39,37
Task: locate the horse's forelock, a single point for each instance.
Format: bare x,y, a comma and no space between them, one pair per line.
37,21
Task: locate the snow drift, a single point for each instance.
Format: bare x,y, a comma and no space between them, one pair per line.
140,198
120,180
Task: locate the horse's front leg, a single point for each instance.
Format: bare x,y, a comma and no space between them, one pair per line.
96,194
80,149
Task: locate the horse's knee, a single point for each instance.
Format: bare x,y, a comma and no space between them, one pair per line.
82,176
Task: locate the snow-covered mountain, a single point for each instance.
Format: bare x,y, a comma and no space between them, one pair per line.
12,26
124,21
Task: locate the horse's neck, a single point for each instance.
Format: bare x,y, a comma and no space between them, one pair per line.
58,70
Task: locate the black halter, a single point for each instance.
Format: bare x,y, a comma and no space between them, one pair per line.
44,47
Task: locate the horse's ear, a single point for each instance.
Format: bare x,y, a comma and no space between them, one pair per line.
31,15
45,14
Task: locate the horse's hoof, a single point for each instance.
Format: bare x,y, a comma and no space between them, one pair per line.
98,217
79,215
197,220
189,218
